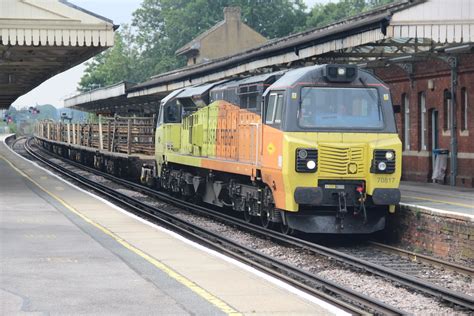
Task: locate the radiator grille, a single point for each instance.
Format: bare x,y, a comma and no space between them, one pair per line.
341,161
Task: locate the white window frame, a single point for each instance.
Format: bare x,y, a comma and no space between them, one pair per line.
448,114
406,106
422,121
267,121
278,107
277,96
466,106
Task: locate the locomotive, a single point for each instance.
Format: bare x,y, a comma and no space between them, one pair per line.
313,149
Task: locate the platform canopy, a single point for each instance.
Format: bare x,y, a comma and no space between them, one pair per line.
41,38
405,30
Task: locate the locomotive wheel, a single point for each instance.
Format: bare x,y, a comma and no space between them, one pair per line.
286,230
265,219
247,216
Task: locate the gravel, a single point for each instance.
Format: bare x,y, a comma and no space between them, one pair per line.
365,283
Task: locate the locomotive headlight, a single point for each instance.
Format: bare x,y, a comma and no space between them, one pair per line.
306,160
383,161
302,154
311,165
389,155
341,71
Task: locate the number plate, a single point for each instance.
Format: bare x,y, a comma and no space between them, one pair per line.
334,186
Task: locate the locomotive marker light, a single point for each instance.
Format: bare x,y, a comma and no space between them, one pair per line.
389,155
340,73
303,154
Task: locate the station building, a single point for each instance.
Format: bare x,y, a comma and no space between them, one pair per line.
229,36
423,49
423,90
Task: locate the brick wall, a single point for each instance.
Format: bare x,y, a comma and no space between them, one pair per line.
417,161
442,235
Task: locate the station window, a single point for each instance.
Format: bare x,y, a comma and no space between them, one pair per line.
447,111
406,120
422,121
464,109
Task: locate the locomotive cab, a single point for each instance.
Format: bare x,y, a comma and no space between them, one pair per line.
340,155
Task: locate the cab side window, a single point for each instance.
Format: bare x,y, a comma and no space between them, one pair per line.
172,112
160,116
273,115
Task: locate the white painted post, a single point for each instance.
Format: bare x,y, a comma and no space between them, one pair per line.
101,137
68,133
74,140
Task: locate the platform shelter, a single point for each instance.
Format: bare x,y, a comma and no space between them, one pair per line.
39,39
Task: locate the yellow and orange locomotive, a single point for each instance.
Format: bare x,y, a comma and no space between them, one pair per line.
313,149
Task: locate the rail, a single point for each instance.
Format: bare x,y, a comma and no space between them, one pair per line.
345,298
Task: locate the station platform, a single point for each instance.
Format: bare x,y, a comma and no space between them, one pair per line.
438,198
66,251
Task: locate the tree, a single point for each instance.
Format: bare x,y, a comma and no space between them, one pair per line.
163,26
115,65
324,14
160,27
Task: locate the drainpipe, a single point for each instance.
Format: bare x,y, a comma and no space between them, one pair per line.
453,64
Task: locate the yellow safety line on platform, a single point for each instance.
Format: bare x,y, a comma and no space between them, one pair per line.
224,307
438,201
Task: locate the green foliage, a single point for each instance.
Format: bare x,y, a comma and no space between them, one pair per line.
115,65
323,14
92,118
160,27
12,128
163,26
24,119
47,112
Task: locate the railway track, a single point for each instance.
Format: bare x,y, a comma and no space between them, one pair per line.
346,257
423,259
344,298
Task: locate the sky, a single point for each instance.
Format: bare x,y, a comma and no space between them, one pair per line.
61,86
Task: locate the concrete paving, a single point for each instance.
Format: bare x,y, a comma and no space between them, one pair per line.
64,251
55,263
437,197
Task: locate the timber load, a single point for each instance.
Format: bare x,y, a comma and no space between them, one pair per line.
127,135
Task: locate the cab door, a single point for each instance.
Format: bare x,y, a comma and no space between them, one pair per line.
272,136
272,146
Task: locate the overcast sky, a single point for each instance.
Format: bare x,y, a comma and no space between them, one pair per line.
56,89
